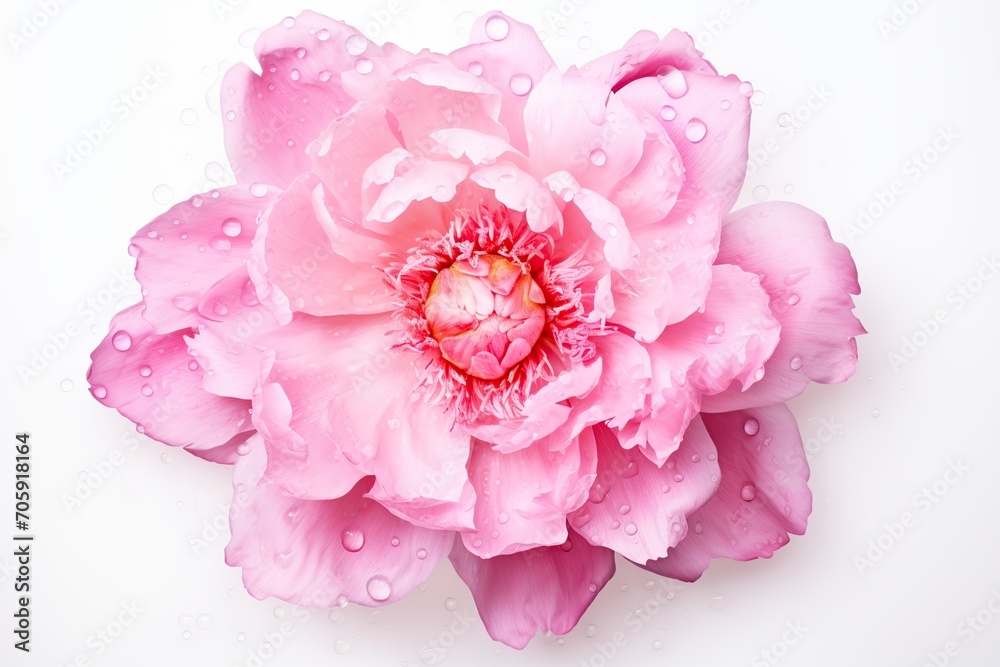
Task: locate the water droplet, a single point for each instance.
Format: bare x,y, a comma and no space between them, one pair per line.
241,637
598,157
378,588
353,539
162,194
204,621
751,426
668,113
612,230
657,644
717,602
67,385
341,647
497,27
146,390
186,634
323,35
761,193
232,227
325,75
624,509
520,84
793,299
630,529
726,104
590,631
585,43
294,75
876,412
796,363
258,189
784,120
789,188
503,518
475,68
746,90
356,45
189,117
421,554
451,604
695,458
193,365
695,130
673,81
757,98
698,528
166,458
748,492
99,391
121,341
243,449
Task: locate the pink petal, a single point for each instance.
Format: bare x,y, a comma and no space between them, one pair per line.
521,192
177,263
639,509
623,386
499,59
321,553
645,55
762,498
708,119
674,268
347,147
522,498
270,118
545,589
415,179
319,262
730,340
152,380
810,280
576,121
590,209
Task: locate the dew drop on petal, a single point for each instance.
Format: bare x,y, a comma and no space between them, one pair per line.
598,157
323,35
796,363
356,45
520,84
341,647
751,426
353,539
232,227
673,82
746,89
189,117
748,492
121,341
258,189
793,299
475,68
451,604
630,529
421,553
668,113
695,130
378,588
146,390
497,27
99,391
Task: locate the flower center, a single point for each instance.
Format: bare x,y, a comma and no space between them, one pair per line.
486,315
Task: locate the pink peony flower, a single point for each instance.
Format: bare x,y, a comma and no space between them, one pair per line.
469,305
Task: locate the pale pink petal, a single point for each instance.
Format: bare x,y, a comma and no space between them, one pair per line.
763,496
645,55
152,380
574,123
511,58
477,147
708,119
590,209
810,280
545,589
270,118
730,340
315,260
414,179
185,251
324,553
519,191
639,509
347,147
522,498
674,268
622,389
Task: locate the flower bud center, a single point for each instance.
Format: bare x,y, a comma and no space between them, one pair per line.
486,315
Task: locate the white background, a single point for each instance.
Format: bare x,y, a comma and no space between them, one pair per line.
875,442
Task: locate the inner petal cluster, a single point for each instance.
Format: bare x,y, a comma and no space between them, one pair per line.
486,314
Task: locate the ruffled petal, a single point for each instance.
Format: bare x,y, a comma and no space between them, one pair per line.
152,380
731,339
762,498
708,119
810,280
188,249
317,262
646,55
639,509
322,553
509,56
545,589
522,498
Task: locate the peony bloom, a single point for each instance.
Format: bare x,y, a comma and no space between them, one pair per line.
472,306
